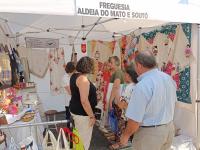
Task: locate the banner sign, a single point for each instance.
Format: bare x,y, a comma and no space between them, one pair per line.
109,9
32,42
170,10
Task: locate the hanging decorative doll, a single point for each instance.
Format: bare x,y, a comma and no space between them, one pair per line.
155,50
97,55
74,55
188,51
163,67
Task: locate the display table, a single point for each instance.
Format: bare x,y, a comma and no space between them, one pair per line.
21,133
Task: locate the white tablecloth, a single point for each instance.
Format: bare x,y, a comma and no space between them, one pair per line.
19,134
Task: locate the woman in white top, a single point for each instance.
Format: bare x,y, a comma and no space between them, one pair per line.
130,79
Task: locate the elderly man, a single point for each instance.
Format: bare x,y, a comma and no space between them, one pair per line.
151,108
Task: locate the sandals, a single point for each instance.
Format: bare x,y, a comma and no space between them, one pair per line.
111,138
118,146
114,146
108,134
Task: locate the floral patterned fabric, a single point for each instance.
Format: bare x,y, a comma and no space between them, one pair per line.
171,46
57,70
183,94
5,69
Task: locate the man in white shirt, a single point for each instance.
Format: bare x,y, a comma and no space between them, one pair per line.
150,111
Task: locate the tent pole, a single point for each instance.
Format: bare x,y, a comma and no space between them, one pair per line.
198,87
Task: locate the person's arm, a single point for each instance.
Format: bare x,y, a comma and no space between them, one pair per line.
67,89
65,84
84,85
122,104
132,127
115,92
135,113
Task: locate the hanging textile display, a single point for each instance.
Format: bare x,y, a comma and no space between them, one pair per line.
122,43
183,94
179,55
131,48
161,48
23,51
101,51
100,83
57,70
14,68
5,69
38,62
171,45
143,44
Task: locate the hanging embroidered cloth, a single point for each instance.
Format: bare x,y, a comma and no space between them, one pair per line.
171,47
5,69
57,70
38,62
100,51
183,94
161,48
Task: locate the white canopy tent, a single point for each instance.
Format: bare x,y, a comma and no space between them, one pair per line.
68,28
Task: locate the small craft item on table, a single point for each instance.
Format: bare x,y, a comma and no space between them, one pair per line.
28,116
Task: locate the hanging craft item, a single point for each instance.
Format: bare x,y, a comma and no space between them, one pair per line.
155,50
56,66
97,55
123,43
74,55
83,46
188,51
164,67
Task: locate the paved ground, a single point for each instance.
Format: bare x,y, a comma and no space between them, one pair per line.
98,142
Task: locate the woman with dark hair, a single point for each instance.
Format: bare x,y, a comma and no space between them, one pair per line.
83,100
130,79
69,69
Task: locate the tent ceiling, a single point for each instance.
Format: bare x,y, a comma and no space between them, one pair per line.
63,27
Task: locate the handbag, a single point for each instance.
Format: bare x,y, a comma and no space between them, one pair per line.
49,141
59,145
12,145
112,120
78,144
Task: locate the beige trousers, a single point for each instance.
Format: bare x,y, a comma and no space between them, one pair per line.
154,138
84,129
